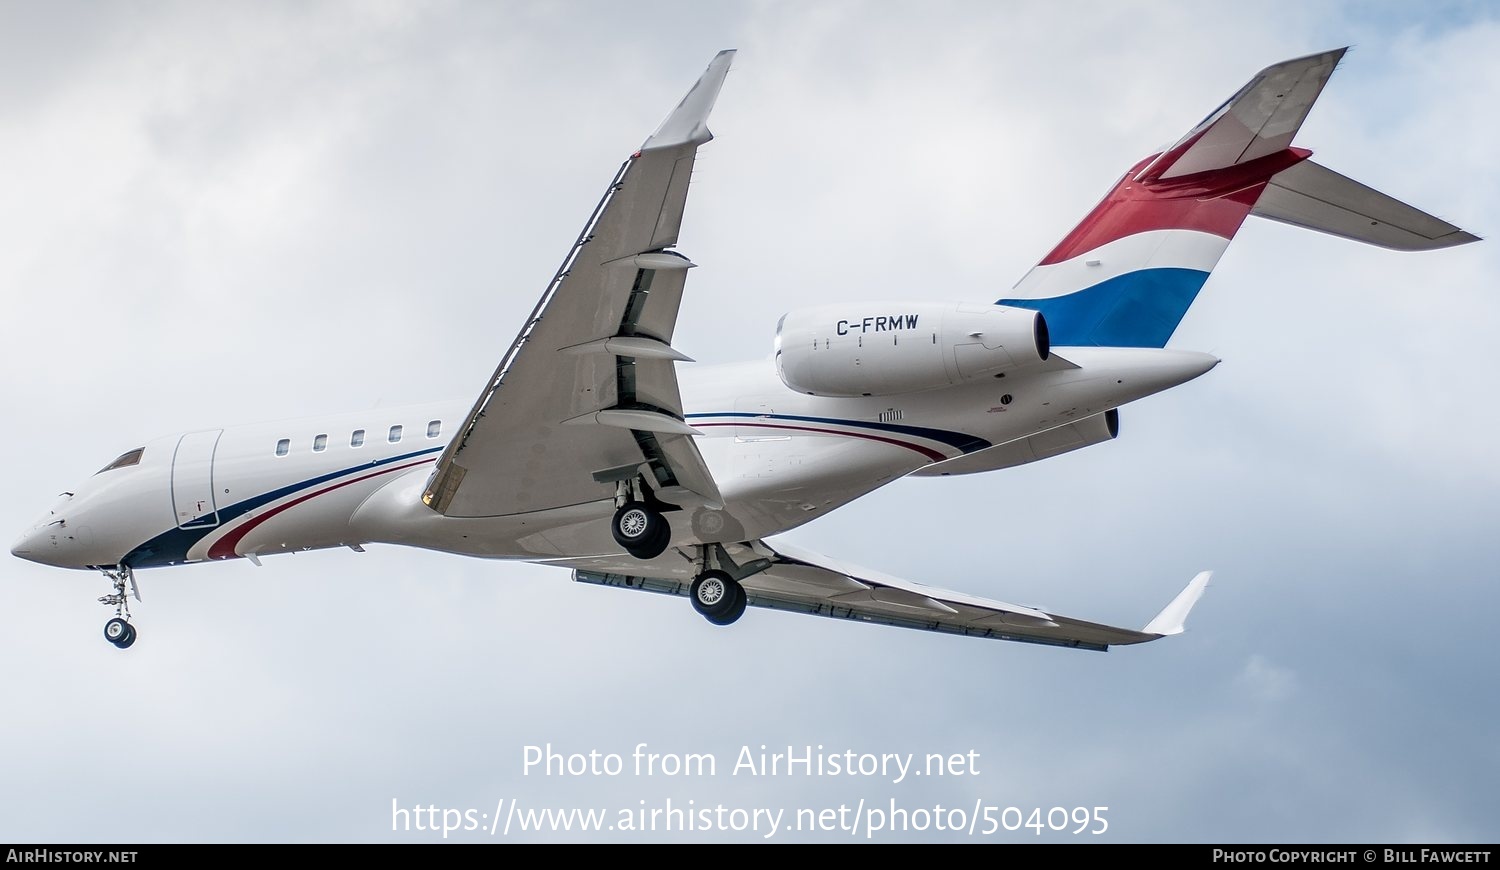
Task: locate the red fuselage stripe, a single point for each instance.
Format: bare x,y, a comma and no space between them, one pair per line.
223,548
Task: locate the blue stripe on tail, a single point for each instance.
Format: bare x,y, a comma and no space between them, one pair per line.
1137,309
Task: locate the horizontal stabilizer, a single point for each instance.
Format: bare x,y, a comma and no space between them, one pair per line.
1172,617
1314,197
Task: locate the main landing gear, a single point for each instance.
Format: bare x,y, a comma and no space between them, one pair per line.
718,597
118,630
638,524
641,530
717,593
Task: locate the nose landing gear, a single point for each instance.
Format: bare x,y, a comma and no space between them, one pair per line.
118,630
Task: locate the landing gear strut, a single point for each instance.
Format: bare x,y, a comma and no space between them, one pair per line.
118,630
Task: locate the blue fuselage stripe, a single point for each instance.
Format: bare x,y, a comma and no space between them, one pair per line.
172,546
956,440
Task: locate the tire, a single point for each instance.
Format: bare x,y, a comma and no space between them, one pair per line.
716,595
116,630
657,546
642,531
128,640
736,610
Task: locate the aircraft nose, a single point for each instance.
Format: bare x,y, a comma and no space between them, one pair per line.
37,545
25,546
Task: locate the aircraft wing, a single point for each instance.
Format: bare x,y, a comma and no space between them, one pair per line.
588,393
796,580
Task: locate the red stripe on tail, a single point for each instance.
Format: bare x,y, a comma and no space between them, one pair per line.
1216,202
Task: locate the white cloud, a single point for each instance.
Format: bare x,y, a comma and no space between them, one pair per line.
1266,682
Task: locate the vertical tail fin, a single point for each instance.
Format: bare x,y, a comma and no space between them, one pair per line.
1126,275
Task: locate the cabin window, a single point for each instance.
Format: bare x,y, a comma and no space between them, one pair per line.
434,428
357,438
125,460
395,434
320,443
283,447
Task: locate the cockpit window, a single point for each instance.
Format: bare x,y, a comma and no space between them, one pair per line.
126,459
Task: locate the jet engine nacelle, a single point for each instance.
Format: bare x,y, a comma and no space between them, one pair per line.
885,348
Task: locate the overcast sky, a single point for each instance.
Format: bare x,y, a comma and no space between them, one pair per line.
221,213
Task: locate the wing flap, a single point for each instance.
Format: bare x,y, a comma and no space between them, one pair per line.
669,220
682,457
899,600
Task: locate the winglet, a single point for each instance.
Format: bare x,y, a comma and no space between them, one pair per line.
1171,619
688,123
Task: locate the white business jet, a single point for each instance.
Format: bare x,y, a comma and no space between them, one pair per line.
592,449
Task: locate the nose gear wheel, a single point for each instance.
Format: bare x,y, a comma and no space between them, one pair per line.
118,630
